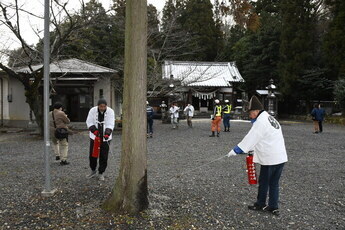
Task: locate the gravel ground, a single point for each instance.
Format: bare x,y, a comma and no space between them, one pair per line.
211,197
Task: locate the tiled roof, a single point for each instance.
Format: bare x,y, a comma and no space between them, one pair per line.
71,66
209,74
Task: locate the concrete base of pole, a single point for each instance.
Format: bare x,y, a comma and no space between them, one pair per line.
46,193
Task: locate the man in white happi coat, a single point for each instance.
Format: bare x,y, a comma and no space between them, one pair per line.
265,138
100,122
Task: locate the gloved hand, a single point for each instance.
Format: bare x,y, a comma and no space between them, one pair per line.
106,137
95,132
231,153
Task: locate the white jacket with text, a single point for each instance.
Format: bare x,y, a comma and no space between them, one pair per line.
266,139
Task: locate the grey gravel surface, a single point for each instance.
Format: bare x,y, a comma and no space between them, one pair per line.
211,197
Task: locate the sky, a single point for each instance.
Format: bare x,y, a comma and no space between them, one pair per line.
30,25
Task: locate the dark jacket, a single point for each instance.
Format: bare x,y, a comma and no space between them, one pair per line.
318,114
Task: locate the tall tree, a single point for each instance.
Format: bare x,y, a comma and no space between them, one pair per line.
297,47
130,193
242,12
334,41
256,52
169,13
92,41
197,19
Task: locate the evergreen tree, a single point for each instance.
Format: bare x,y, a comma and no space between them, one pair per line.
169,12
90,42
235,33
257,52
297,47
197,18
334,41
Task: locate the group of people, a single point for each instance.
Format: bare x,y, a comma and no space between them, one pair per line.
265,138
174,112
220,112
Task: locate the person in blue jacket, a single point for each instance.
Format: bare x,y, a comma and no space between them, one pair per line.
323,113
149,114
317,117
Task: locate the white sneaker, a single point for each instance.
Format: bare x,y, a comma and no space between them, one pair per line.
92,174
101,177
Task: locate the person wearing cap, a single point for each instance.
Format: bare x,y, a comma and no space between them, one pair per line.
100,122
226,116
58,119
189,110
216,118
266,139
149,115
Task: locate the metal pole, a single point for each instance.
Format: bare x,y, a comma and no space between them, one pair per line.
48,191
2,102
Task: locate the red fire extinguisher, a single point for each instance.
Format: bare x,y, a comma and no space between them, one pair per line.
252,179
96,147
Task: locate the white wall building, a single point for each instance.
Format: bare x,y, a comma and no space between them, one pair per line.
77,84
202,82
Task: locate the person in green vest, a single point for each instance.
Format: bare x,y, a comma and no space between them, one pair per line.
226,116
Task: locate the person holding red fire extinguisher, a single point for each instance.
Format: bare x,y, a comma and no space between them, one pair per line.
265,138
100,122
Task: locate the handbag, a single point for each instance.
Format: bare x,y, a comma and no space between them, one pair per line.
60,133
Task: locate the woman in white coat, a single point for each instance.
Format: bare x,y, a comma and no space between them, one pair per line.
100,122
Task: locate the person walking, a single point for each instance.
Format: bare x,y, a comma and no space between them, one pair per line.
317,117
266,139
59,120
189,110
322,117
174,114
100,122
216,118
149,115
226,116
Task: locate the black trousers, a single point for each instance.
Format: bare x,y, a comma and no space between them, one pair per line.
103,157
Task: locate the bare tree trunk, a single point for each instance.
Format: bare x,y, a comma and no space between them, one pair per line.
130,194
34,99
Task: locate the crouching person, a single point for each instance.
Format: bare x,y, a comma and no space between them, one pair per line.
100,122
266,139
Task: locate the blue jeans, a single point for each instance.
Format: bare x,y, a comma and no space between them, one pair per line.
269,182
150,125
226,120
